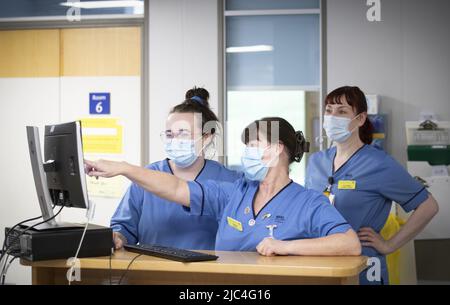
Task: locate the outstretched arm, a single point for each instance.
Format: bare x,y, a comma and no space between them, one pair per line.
161,184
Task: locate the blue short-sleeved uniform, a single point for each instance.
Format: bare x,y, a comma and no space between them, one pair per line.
376,180
148,219
296,212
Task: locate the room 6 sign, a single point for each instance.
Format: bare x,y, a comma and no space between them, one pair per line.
99,103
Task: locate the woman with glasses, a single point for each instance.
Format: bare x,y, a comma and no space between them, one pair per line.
143,217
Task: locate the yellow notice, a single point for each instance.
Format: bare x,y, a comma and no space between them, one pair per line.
347,185
109,188
234,223
102,136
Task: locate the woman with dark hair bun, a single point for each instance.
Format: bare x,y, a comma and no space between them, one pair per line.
264,211
362,181
144,218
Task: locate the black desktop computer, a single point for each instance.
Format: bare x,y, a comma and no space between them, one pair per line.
38,245
60,180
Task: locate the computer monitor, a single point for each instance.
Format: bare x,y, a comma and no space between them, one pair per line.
60,178
63,164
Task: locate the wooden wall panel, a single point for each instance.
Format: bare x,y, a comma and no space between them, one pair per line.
29,53
101,52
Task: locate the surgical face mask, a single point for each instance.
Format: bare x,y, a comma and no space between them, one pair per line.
181,152
337,128
252,164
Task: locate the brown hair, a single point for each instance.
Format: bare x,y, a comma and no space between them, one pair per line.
294,141
197,101
357,100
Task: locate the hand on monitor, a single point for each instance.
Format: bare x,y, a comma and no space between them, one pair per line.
119,240
104,168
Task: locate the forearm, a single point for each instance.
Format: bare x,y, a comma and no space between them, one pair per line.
415,224
340,244
161,184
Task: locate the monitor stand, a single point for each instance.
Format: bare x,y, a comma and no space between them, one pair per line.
54,226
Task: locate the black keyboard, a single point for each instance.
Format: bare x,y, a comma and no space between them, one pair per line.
171,253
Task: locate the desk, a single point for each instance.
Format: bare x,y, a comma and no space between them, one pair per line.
230,268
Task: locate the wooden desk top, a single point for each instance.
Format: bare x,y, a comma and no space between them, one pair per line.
250,263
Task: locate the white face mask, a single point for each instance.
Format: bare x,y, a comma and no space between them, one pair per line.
337,128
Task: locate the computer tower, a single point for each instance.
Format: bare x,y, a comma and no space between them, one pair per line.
63,243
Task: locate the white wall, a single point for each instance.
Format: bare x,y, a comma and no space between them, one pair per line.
405,58
184,51
23,102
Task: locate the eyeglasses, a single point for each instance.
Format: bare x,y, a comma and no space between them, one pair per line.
182,134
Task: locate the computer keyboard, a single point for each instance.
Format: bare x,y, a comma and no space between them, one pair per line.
171,253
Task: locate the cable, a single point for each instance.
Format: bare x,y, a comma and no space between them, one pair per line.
6,270
74,261
5,252
4,267
27,229
89,215
128,268
110,268
15,226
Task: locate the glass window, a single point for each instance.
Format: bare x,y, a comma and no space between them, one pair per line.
271,4
59,8
273,51
272,69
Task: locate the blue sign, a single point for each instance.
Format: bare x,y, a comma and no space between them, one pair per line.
99,103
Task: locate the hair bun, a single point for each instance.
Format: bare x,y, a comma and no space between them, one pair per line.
198,95
301,147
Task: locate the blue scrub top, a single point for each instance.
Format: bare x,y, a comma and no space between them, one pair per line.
148,219
298,213
379,180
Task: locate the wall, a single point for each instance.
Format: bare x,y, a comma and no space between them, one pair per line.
184,52
405,58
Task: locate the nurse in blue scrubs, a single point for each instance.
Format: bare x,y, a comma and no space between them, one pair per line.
362,181
265,211
145,218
